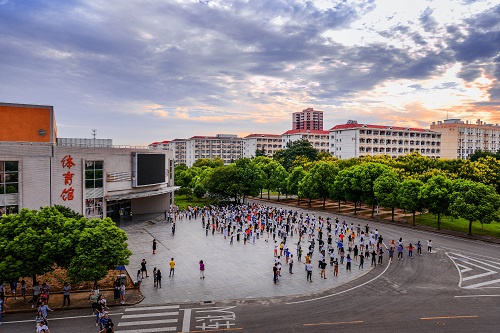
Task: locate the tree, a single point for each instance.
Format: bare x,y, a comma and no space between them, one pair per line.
100,247
293,149
34,242
222,183
305,188
409,196
260,152
435,196
261,162
249,176
474,202
209,162
347,188
386,188
293,181
322,176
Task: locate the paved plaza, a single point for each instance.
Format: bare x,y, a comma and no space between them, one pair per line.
232,272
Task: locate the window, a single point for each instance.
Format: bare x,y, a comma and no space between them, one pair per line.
94,181
9,185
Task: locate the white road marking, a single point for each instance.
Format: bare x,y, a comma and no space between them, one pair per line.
149,330
153,308
148,315
147,322
342,292
465,263
61,318
477,296
186,322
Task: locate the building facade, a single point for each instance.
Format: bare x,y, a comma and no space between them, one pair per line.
226,146
462,138
318,139
308,119
270,143
93,181
357,140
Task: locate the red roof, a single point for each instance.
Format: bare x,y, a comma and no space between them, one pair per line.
301,131
263,135
155,143
166,141
397,128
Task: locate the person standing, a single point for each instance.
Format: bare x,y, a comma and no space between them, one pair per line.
361,262
143,268
410,251
3,304
275,273
374,258
290,264
66,289
322,266
155,277
309,268
122,293
335,267
380,255
158,279
139,280
348,263
429,246
172,267
400,251
202,269
154,246
419,248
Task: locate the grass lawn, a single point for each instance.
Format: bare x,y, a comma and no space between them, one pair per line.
183,201
460,225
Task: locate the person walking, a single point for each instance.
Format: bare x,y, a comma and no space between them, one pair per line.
154,246
139,280
202,269
429,246
309,268
158,279
143,268
172,268
66,289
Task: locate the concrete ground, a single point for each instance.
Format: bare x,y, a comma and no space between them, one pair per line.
233,272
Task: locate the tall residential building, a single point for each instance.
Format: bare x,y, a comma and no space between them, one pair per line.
269,142
318,139
356,140
226,146
308,119
462,138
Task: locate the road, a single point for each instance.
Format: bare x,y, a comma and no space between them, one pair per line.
453,289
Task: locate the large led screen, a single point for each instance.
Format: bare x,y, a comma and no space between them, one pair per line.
148,169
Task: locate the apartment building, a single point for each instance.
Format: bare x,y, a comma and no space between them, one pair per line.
269,142
308,119
462,138
318,139
226,146
356,140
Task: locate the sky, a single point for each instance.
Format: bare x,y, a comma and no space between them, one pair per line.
153,70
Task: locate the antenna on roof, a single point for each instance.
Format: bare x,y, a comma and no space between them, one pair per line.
94,133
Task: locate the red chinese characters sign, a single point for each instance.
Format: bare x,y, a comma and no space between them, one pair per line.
68,193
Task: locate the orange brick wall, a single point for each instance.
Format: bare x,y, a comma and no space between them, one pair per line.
21,123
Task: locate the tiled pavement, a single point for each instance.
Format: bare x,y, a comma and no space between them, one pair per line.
233,272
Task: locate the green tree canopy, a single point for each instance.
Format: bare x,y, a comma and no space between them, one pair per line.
435,196
409,191
386,189
474,201
292,150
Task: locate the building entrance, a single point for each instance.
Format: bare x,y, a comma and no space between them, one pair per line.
119,210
